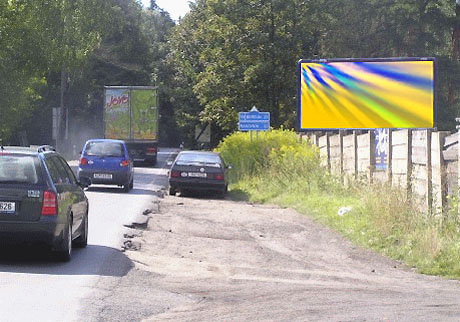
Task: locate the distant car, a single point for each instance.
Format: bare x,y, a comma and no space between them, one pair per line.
105,161
198,171
41,200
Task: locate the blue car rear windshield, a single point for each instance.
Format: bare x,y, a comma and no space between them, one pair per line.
110,149
18,169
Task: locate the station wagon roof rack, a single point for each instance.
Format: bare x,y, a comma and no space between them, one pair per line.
44,148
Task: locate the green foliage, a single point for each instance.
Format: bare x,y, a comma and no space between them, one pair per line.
128,50
224,56
230,55
36,39
276,167
275,163
251,154
131,52
236,54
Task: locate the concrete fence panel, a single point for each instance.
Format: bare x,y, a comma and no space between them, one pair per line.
424,162
336,154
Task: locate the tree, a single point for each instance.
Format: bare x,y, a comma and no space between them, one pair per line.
39,38
232,54
153,5
20,67
157,25
129,53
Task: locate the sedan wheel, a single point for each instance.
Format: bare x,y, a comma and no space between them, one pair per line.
172,191
131,184
65,254
223,192
126,187
82,240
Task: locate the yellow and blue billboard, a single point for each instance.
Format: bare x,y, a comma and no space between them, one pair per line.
366,94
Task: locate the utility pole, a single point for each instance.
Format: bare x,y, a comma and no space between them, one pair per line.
62,122
60,139
456,33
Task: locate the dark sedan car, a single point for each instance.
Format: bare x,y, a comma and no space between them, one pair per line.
107,162
198,171
41,200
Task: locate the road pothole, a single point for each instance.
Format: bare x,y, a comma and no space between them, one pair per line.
130,245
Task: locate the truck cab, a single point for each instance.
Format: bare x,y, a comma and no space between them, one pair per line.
143,152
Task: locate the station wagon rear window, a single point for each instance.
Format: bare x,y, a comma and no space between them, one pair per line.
191,158
17,169
111,149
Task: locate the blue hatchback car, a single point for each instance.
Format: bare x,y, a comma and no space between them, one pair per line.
107,162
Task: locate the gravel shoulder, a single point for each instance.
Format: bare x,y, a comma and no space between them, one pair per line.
204,259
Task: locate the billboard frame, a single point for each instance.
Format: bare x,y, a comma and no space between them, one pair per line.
344,60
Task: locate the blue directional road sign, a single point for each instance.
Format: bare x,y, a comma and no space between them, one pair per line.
254,120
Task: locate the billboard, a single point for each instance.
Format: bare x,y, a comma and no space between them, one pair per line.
366,93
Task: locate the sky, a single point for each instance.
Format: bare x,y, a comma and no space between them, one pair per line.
176,8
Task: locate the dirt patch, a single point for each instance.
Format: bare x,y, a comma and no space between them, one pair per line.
235,261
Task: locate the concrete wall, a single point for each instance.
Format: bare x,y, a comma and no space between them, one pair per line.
424,162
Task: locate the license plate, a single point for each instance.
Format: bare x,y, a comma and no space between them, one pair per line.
102,176
197,174
7,207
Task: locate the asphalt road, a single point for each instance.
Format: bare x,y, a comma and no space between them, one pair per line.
34,287
203,258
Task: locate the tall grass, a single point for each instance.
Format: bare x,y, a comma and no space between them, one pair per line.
277,167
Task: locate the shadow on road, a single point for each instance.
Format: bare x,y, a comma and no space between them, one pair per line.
135,191
201,195
92,260
236,195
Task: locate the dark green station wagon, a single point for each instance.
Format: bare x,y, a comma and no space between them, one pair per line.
41,201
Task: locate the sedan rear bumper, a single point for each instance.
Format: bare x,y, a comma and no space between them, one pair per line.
197,185
118,177
15,233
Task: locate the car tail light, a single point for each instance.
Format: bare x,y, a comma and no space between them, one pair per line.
151,150
83,161
175,174
124,163
49,205
219,176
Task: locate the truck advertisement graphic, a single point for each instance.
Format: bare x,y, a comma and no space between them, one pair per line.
366,93
131,114
144,114
117,114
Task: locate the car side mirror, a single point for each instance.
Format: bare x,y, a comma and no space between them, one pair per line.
84,182
229,166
